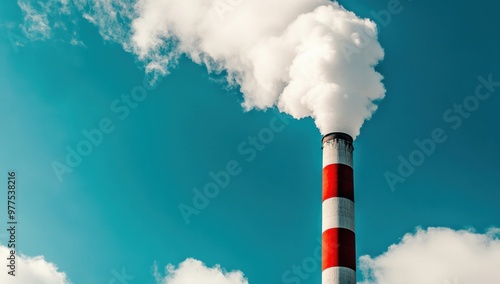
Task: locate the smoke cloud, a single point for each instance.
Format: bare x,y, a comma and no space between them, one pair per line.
437,256
194,271
308,58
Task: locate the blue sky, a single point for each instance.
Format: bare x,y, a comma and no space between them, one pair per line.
119,208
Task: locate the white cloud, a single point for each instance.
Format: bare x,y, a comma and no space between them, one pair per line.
437,256
112,17
58,19
36,23
32,270
192,271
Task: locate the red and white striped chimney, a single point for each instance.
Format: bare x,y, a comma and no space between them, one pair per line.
338,239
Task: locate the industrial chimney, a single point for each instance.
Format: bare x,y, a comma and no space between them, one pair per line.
338,239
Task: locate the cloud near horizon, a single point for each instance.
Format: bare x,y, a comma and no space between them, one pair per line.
437,256
32,270
192,271
430,256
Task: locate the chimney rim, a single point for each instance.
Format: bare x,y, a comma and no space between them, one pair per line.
336,135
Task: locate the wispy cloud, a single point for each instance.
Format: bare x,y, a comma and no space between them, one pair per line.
36,23
53,19
112,17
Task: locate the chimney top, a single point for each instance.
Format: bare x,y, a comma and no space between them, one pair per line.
336,135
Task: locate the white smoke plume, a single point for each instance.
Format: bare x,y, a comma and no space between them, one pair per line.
309,58
437,256
194,271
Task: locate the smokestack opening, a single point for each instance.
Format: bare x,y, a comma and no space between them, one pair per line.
336,135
